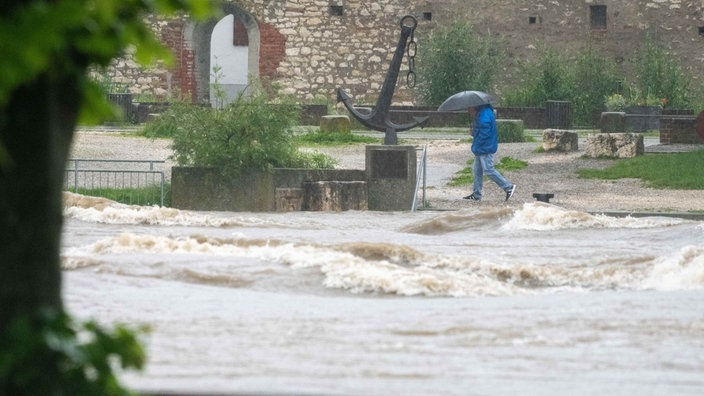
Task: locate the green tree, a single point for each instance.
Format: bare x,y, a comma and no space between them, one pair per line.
46,48
454,59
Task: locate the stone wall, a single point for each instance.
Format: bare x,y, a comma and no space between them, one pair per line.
312,47
252,191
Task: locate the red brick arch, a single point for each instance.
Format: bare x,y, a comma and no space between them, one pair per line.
190,43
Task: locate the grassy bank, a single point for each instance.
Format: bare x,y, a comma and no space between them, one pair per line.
145,196
683,171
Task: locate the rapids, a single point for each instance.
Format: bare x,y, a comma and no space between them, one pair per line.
537,300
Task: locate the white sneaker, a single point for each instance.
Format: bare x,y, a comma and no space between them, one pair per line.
510,192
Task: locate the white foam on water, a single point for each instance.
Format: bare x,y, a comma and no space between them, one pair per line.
684,270
101,210
150,244
540,216
372,267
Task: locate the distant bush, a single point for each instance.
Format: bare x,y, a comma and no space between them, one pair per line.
547,79
616,102
510,131
453,59
594,83
660,75
167,123
595,78
245,134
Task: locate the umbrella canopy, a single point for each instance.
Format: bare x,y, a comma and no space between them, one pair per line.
465,99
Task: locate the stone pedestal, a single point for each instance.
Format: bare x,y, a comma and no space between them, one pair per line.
391,176
560,140
614,145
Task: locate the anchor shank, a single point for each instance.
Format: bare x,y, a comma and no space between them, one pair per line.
378,118
383,103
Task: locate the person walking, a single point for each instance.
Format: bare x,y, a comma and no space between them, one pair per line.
485,142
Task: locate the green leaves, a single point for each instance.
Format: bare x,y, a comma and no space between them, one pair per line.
660,76
455,59
65,37
49,354
250,133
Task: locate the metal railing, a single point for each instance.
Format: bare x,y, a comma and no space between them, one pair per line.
420,174
98,177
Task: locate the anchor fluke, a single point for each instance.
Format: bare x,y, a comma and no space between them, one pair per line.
375,119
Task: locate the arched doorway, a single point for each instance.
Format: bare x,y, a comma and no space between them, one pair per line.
229,46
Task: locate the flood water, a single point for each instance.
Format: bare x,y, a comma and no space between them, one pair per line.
535,300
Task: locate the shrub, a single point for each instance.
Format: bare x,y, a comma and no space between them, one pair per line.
249,133
453,59
510,131
616,102
548,79
595,77
660,75
168,122
584,81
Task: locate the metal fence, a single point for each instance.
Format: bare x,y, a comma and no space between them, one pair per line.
126,181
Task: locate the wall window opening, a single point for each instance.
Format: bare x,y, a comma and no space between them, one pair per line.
597,16
336,10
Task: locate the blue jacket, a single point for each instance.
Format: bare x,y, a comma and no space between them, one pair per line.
486,136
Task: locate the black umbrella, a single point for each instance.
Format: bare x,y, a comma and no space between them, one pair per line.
465,99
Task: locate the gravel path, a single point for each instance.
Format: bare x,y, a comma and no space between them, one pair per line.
553,173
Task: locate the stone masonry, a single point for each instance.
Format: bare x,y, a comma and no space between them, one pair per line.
312,47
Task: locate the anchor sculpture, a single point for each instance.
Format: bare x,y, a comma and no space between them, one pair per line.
378,118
